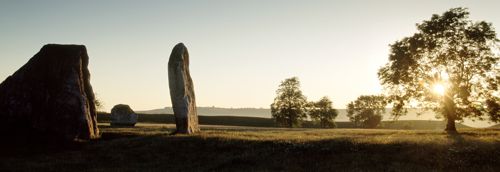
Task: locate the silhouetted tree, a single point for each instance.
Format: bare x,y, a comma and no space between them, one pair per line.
366,111
99,105
454,53
323,113
289,106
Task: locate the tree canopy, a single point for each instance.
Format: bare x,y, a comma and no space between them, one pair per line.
451,65
290,105
366,111
322,112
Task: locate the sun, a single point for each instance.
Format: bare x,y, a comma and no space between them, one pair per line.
439,89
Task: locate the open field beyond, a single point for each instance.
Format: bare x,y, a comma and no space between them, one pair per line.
268,122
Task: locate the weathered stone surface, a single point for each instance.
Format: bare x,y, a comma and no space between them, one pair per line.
182,91
123,115
50,96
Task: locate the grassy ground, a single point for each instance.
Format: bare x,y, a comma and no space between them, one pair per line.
149,147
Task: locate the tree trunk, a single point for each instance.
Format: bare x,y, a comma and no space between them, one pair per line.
450,126
449,111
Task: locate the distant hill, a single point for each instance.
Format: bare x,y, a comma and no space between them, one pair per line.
495,126
268,122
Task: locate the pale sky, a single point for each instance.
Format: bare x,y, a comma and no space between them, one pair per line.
239,50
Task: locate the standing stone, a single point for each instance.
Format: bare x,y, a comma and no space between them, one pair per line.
50,97
123,115
182,91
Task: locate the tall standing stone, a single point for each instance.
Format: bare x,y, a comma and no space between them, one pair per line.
182,91
50,96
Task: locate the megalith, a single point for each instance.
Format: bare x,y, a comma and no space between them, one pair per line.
123,115
50,96
182,91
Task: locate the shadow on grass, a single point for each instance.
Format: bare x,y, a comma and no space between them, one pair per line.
161,152
112,136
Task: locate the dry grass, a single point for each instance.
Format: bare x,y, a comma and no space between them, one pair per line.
149,147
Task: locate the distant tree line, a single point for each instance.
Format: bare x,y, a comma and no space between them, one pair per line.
290,107
367,110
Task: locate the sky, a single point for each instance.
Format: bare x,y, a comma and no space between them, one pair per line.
240,51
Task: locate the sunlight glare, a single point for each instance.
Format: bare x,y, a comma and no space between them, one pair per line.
439,89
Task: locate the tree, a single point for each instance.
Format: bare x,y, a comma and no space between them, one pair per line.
289,106
99,105
366,111
323,112
449,66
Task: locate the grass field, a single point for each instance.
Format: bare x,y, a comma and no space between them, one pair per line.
268,122
149,147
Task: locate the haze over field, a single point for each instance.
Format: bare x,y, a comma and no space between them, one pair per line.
239,51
